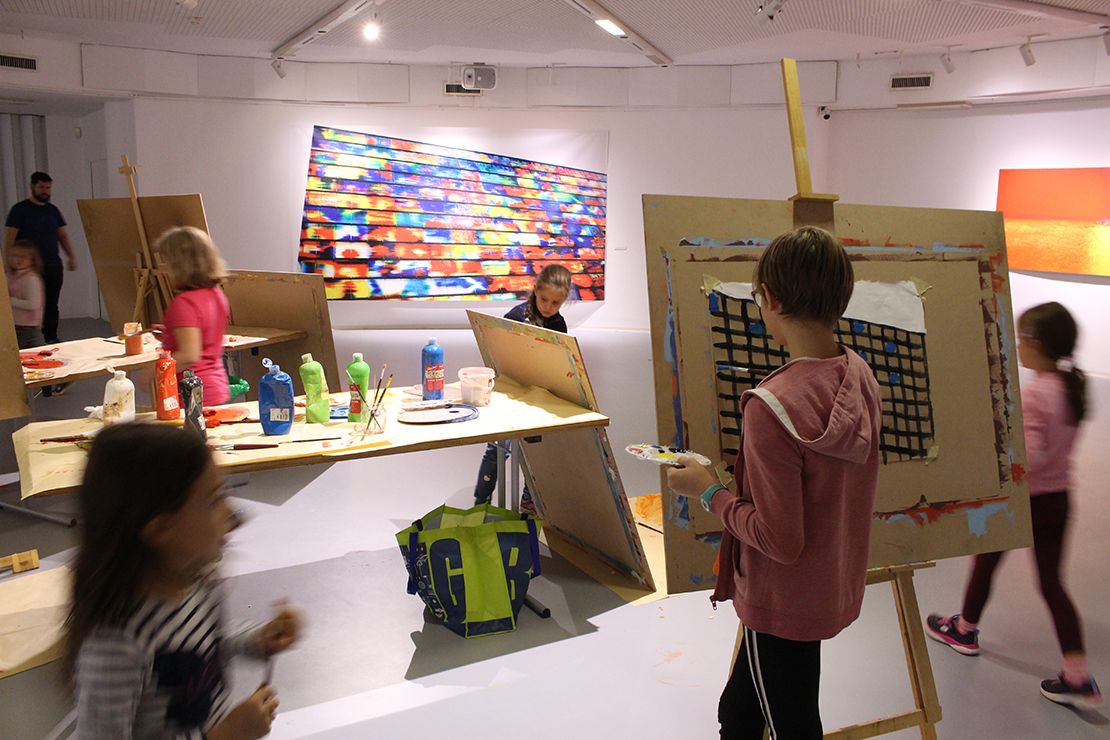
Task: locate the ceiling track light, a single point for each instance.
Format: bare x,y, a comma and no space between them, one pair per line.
1040,10
339,15
372,31
1026,51
946,60
618,28
768,10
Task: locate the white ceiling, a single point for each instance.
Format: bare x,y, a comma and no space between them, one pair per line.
549,32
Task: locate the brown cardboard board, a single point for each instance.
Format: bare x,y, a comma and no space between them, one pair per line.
13,394
114,241
968,496
287,300
573,474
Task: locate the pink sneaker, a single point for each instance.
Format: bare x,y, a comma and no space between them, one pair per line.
943,629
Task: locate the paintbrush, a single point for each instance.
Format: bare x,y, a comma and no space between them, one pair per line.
317,439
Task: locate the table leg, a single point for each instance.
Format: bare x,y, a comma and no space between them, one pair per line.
500,474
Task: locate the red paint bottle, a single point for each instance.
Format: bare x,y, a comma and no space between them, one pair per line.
166,401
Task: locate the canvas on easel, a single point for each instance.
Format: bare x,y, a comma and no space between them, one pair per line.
115,241
573,474
13,391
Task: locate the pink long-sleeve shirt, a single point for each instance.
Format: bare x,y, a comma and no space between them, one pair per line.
794,551
1049,432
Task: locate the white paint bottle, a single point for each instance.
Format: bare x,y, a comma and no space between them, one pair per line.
119,399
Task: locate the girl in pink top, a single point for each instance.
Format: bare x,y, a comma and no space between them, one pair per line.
196,319
1053,404
25,288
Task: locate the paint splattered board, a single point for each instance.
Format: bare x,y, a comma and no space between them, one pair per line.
573,474
952,477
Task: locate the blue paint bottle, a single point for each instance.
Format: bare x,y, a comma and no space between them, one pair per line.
275,400
431,362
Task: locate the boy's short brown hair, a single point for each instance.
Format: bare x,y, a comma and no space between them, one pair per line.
809,273
190,258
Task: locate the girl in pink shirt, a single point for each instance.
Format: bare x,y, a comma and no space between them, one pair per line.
1053,404
24,273
196,319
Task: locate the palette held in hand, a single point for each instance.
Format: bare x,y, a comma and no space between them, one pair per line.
662,454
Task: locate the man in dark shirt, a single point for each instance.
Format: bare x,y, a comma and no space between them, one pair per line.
40,221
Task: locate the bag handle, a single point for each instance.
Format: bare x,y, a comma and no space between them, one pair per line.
417,527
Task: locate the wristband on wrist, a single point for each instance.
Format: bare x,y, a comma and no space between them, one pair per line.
707,497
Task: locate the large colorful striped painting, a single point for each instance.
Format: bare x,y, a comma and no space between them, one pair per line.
1057,220
393,218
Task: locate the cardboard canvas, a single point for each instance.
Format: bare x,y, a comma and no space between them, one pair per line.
963,491
573,474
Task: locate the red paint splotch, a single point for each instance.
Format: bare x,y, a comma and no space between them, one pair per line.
925,513
1017,472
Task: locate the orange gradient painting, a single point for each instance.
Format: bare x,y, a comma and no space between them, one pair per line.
1057,220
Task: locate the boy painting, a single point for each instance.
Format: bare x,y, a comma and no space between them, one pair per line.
793,556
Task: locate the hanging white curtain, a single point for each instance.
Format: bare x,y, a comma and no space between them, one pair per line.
22,151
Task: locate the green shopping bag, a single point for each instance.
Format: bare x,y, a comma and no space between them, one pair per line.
472,567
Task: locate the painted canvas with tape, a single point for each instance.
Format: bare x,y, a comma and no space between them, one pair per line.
393,218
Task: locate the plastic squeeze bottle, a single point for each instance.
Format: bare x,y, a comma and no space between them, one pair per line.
275,400
119,399
317,408
192,400
358,380
166,403
431,360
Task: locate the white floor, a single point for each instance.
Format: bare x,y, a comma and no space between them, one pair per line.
371,667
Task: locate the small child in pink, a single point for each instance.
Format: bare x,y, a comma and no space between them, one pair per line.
25,288
196,320
1053,404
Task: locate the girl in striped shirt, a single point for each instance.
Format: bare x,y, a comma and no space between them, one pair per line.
146,643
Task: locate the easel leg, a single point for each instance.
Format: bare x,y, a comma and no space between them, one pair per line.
514,480
917,653
500,474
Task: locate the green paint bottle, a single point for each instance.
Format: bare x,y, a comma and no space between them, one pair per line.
317,408
358,382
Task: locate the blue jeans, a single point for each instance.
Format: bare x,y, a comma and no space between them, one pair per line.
487,476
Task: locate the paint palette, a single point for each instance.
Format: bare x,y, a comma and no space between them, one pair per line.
444,415
33,375
662,454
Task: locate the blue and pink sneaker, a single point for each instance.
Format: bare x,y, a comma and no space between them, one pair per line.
1060,691
943,629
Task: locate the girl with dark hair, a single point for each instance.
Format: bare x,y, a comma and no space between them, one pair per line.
146,644
1053,404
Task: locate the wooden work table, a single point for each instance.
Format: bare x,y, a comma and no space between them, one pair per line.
514,412
90,358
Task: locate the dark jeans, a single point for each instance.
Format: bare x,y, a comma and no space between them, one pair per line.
28,336
1050,523
774,684
487,477
52,274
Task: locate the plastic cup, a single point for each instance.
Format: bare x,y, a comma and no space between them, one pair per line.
476,384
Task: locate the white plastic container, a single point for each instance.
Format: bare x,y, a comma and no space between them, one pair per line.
119,399
476,384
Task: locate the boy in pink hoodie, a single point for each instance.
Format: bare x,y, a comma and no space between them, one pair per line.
793,556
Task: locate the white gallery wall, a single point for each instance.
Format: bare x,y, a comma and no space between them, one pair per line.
249,162
951,158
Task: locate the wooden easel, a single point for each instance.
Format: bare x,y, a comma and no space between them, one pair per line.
816,209
152,288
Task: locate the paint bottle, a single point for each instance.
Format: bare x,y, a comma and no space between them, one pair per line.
317,408
192,400
431,360
119,399
358,380
275,400
166,403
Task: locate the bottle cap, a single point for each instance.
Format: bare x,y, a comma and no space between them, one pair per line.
266,362
357,357
431,340
165,354
306,357
120,375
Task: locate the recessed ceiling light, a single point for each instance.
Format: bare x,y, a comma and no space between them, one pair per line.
372,31
611,27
